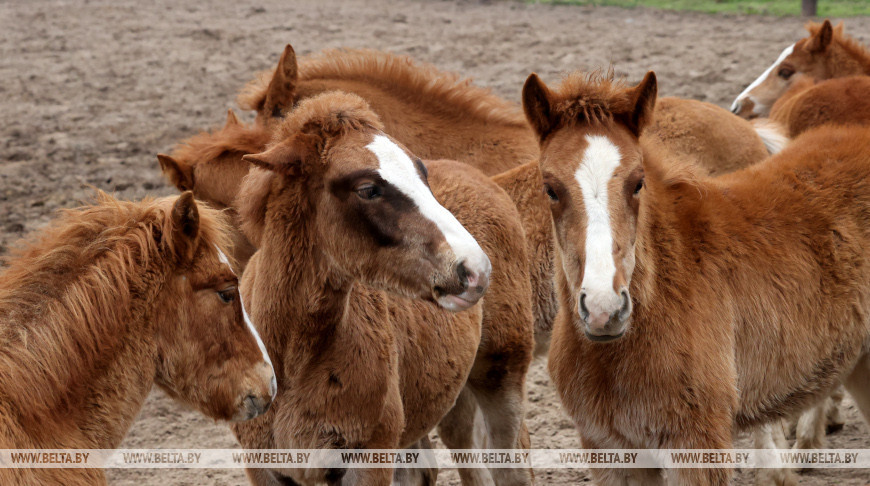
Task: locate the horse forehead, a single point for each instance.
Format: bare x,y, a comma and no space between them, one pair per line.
785,54
393,162
598,163
222,258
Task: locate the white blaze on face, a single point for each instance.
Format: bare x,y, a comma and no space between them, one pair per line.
399,170
226,261
600,160
745,94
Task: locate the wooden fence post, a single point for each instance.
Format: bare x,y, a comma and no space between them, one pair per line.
809,8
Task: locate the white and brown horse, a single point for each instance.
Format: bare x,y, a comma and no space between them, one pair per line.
107,301
691,307
355,283
827,53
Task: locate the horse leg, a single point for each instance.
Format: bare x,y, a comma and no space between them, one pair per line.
458,430
419,476
834,420
772,436
858,385
267,477
622,476
500,393
810,431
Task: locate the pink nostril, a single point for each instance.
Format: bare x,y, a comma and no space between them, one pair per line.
472,278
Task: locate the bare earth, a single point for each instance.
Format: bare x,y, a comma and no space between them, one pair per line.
90,91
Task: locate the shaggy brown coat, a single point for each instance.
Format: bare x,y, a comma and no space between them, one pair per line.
361,367
107,301
750,291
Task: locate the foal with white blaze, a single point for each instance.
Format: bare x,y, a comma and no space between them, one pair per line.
750,292
827,53
357,271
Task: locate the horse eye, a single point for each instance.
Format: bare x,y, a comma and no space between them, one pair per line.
785,73
551,193
227,295
369,192
639,186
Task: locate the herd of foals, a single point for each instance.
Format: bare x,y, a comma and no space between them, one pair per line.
387,247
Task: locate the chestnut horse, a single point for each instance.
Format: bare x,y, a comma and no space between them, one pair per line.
106,302
808,104
826,53
691,307
357,271
218,165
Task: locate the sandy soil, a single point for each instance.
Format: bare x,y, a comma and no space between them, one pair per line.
91,90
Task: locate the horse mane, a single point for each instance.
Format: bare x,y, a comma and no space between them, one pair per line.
65,288
207,146
592,98
850,44
396,74
333,113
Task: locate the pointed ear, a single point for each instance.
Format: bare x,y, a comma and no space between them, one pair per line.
641,113
180,175
840,29
820,41
286,158
536,104
282,88
185,227
232,119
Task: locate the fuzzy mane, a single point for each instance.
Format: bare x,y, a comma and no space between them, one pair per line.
395,74
851,45
208,146
66,295
592,98
332,113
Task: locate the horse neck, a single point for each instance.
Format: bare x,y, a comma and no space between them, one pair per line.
665,244
441,128
850,59
312,294
106,354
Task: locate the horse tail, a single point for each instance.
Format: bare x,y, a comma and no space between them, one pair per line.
772,133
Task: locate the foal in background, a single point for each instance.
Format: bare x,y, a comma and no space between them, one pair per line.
107,301
691,307
358,273
827,53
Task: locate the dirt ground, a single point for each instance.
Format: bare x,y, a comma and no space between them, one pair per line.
90,91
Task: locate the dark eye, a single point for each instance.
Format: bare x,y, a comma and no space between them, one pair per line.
227,295
551,193
369,191
638,187
785,72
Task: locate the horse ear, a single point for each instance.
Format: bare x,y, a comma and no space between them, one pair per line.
820,41
644,104
536,104
283,85
232,119
180,175
185,226
286,158
840,29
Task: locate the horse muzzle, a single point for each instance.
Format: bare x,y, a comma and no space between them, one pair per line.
605,317
469,283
